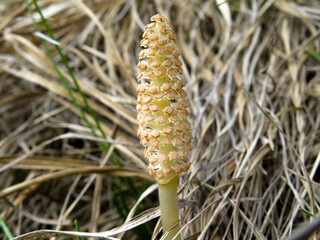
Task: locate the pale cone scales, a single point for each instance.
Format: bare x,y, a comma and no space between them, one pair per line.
163,125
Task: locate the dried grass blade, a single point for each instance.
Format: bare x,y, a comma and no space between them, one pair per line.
111,171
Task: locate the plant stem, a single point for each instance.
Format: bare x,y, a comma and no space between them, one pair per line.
169,208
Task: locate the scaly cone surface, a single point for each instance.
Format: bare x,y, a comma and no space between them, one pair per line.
164,128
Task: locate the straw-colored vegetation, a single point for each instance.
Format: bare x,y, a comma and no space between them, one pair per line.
252,74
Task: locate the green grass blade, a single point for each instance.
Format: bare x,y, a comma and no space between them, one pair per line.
306,212
313,53
76,224
5,229
65,62
114,159
63,80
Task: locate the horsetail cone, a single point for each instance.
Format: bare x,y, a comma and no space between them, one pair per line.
163,125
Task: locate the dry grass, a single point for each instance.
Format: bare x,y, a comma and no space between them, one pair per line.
256,154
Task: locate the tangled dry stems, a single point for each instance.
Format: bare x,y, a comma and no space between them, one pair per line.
246,181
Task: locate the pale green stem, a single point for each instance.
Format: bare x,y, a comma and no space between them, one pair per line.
169,208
